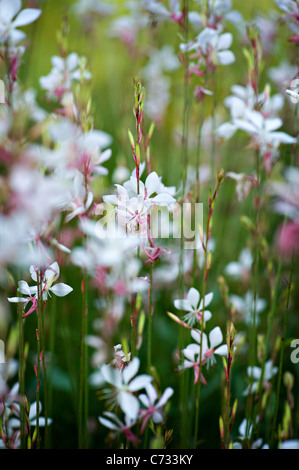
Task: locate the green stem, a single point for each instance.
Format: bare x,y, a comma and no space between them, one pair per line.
149,326
21,376
38,331
83,398
282,346
258,406
185,158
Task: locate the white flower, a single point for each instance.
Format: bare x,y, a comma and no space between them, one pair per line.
194,307
125,385
215,339
63,72
111,421
49,276
245,305
254,373
212,45
153,407
12,18
240,268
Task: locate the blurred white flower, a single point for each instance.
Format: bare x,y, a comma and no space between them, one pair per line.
12,18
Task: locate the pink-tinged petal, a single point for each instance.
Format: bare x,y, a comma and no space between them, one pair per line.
193,298
215,337
139,382
129,404
196,373
26,16
61,289
131,370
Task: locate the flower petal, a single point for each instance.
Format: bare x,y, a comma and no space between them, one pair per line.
129,404
131,370
61,289
26,16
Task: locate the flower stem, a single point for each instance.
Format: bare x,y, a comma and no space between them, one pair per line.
282,346
38,331
83,398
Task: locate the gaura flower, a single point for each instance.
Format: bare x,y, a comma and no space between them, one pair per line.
194,307
125,385
12,18
49,276
153,407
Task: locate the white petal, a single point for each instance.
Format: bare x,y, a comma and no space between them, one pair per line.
131,370
108,424
53,270
193,298
26,16
24,288
272,124
61,289
225,57
144,400
163,199
9,9
17,299
129,404
111,375
139,382
183,304
215,337
225,41
152,184
151,393
165,397
222,350
33,273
